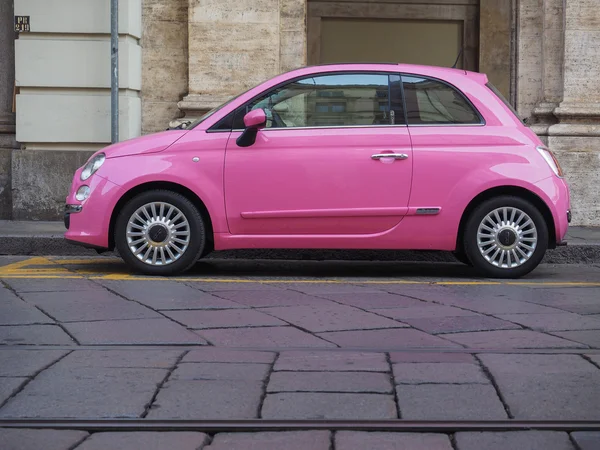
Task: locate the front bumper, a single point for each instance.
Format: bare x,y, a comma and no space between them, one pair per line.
71,209
88,221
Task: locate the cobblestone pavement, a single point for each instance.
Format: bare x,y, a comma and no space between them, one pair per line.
84,339
298,440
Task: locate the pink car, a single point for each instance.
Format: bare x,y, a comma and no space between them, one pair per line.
346,156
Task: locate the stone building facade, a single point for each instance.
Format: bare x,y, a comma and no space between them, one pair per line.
183,57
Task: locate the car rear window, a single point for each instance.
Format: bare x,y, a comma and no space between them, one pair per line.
498,94
431,102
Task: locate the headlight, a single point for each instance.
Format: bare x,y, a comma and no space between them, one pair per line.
92,166
551,160
82,193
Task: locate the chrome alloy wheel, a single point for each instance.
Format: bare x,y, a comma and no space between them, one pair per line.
158,233
507,237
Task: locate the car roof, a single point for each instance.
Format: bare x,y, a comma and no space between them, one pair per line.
417,69
402,66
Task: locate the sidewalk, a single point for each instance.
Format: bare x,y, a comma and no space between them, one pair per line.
46,238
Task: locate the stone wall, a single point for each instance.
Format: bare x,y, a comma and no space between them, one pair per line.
196,54
164,61
63,108
558,90
7,117
236,44
576,136
41,180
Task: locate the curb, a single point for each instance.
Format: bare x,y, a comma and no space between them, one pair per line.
44,245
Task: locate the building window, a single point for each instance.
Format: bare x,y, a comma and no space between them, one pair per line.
430,102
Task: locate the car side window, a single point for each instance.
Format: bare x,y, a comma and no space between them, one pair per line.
333,100
431,102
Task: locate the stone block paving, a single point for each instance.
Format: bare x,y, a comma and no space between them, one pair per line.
511,339
586,440
14,311
323,318
92,384
238,318
329,351
267,337
590,338
167,295
212,383
331,361
551,387
23,285
135,331
9,386
26,439
317,405
530,440
29,439
390,338
365,382
145,440
438,386
450,402
269,297
95,305
273,316
35,335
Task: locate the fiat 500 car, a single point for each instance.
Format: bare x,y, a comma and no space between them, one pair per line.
346,156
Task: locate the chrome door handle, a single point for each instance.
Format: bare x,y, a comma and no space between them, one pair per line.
389,155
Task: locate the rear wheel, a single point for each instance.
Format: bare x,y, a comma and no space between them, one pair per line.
160,232
505,237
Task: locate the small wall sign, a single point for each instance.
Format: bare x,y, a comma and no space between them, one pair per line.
22,24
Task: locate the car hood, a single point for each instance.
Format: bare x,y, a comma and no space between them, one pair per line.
150,143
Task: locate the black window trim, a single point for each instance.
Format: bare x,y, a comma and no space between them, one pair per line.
482,121
292,80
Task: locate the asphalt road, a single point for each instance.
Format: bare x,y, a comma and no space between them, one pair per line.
299,340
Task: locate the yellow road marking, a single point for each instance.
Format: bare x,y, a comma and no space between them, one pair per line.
37,261
126,277
38,270
45,268
87,261
39,277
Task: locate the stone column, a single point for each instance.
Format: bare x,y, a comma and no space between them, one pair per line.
552,65
7,117
237,44
529,56
495,42
576,136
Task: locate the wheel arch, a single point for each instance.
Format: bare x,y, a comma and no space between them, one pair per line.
166,185
516,191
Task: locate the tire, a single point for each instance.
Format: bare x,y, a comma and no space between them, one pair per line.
523,238
178,229
461,257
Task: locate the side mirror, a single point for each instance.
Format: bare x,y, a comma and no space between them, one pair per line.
254,121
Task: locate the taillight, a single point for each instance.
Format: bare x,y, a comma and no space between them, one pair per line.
551,160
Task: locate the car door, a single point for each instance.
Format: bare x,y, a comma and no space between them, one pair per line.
450,143
321,164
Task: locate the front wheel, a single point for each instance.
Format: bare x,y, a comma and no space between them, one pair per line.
505,237
160,232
